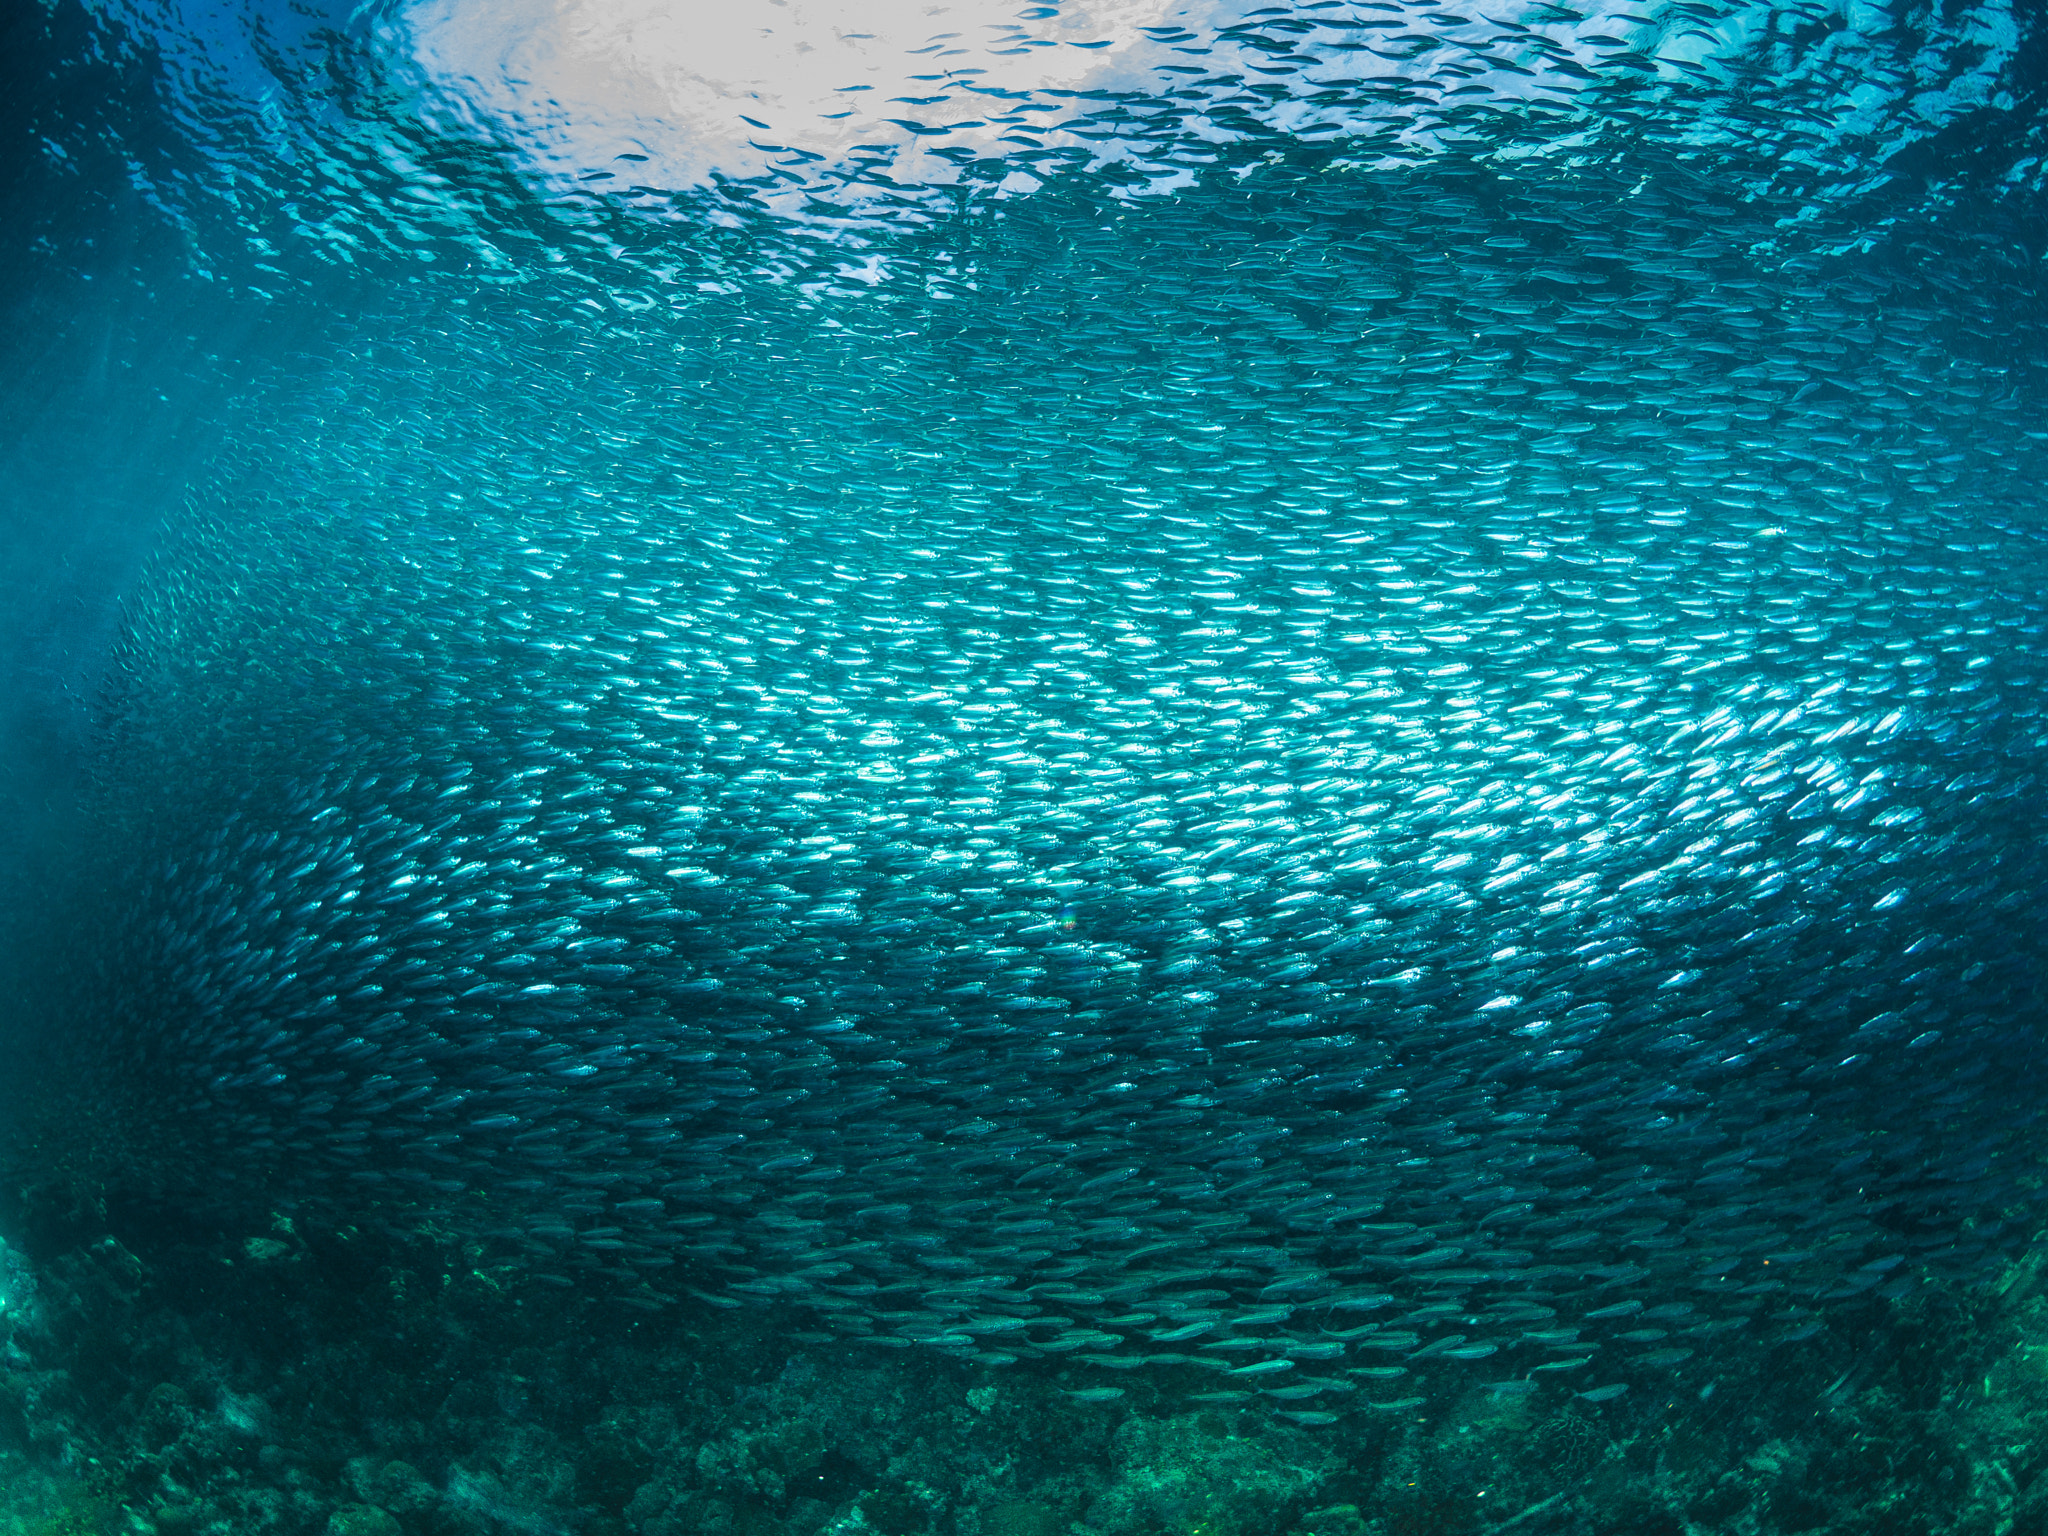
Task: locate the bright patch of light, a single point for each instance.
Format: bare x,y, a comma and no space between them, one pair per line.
739,89
859,101
605,95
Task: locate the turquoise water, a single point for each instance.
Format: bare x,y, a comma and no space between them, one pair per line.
1118,771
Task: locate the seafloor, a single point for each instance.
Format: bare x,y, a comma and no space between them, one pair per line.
160,1379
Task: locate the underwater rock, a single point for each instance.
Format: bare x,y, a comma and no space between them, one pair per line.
1021,1518
1336,1520
393,1485
1200,1471
178,1519
362,1520
522,1480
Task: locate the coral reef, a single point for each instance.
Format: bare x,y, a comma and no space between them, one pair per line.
163,1382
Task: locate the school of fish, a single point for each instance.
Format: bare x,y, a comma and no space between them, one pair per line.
1358,766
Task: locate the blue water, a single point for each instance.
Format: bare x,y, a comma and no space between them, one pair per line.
1113,770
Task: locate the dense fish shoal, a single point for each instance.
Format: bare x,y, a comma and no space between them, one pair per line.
1336,771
